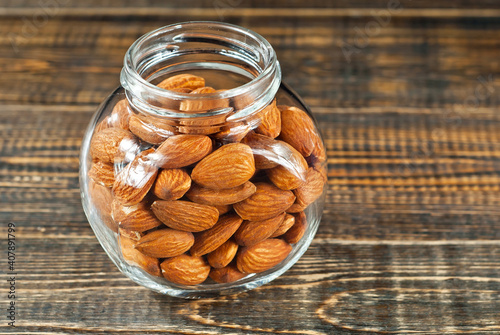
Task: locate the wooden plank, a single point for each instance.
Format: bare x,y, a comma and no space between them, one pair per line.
336,288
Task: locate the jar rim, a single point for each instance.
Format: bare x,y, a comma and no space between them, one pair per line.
130,70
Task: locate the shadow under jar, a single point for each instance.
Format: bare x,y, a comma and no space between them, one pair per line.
203,174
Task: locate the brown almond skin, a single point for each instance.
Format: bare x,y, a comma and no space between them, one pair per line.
120,115
185,215
138,217
150,131
185,80
182,150
297,231
262,256
171,184
267,202
135,257
185,269
253,232
266,150
131,234
102,173
134,181
229,166
311,189
297,129
221,197
271,121
223,209
295,208
210,239
287,223
233,133
102,198
199,105
163,243
226,274
223,255
113,145
291,175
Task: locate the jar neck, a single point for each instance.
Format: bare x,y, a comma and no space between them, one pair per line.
201,46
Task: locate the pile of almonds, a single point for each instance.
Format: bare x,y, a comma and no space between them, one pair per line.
191,202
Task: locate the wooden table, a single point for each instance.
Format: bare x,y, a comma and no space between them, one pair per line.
408,101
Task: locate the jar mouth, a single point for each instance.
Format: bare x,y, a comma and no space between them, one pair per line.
213,44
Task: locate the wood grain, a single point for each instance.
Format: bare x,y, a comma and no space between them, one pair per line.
410,236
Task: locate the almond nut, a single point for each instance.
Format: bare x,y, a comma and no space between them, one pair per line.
134,181
185,270
291,173
185,215
102,173
286,224
262,256
226,196
252,232
165,243
138,217
311,189
270,124
182,81
182,150
149,131
229,166
210,239
223,209
113,145
267,202
226,274
297,129
171,184
297,231
134,257
120,115
102,197
223,255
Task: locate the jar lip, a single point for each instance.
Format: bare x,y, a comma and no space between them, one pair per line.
270,65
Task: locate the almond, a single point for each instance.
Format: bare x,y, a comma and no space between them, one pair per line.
131,234
297,231
297,129
181,90
223,255
113,145
270,124
262,256
295,208
311,190
163,243
201,104
229,166
210,239
291,173
102,197
266,150
226,196
134,181
171,184
138,217
267,202
185,215
286,224
182,150
149,131
104,124
226,274
120,115
253,232
182,81
233,132
102,173
223,209
134,257
318,155
185,269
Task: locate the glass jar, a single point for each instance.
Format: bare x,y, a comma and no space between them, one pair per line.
203,174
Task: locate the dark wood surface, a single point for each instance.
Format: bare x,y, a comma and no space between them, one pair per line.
410,237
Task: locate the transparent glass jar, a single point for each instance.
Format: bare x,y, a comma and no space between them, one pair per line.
203,174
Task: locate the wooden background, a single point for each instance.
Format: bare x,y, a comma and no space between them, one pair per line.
410,237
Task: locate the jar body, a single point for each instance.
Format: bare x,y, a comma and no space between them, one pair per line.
204,191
